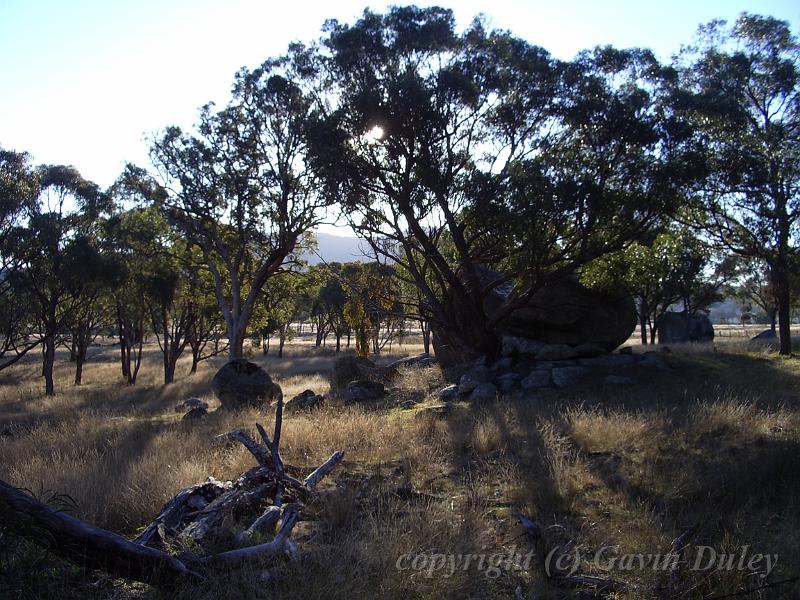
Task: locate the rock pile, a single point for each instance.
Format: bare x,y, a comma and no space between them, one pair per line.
506,376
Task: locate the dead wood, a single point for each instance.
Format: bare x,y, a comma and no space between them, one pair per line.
266,496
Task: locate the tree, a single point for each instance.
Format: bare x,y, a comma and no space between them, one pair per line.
673,268
19,188
128,233
280,304
60,266
742,93
239,189
461,155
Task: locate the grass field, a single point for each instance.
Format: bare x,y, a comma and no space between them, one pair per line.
713,443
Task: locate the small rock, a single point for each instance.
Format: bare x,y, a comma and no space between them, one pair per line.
507,382
541,365
503,364
618,380
191,403
556,352
536,379
515,345
449,393
437,410
351,368
483,392
471,379
306,400
566,376
653,361
420,360
196,413
363,391
626,350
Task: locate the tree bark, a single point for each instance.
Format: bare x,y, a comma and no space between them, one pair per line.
49,360
783,296
643,311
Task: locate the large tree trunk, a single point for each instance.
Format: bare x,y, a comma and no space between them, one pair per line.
169,368
426,336
783,297
236,332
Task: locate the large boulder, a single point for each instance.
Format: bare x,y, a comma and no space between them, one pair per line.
241,383
351,368
674,327
561,314
567,312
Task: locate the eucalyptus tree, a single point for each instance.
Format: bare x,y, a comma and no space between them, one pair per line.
239,189
673,267
460,155
61,268
742,84
19,188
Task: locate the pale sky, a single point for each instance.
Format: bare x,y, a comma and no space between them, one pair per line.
84,82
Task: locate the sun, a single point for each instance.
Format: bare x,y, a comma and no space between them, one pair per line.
375,134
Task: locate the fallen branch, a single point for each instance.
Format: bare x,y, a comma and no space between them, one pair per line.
197,513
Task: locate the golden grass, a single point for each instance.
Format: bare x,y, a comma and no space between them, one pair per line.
714,442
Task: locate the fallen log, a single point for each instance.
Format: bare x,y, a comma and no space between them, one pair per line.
86,545
194,514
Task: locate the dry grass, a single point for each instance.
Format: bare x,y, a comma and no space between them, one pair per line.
713,443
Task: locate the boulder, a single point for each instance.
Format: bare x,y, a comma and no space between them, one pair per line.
536,379
563,312
352,368
567,312
363,390
483,392
679,328
566,376
190,404
766,340
306,400
240,383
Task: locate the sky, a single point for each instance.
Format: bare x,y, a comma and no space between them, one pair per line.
87,82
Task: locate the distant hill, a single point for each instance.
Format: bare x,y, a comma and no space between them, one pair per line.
337,248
